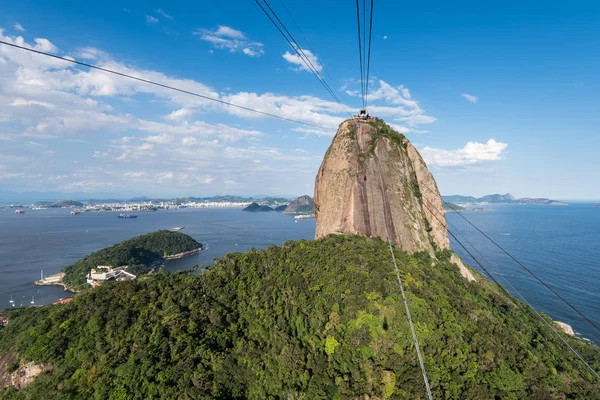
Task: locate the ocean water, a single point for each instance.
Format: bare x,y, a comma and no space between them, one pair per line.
560,244
52,239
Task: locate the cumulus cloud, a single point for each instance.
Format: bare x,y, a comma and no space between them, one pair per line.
470,97
151,20
227,38
19,27
471,153
295,59
50,102
402,111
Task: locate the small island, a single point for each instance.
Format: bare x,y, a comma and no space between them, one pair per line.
302,205
254,207
64,204
451,207
125,260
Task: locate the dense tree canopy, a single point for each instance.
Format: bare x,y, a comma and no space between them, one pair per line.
138,252
308,320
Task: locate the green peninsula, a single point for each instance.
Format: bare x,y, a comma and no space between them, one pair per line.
138,253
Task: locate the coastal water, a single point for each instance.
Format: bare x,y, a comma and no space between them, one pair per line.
559,244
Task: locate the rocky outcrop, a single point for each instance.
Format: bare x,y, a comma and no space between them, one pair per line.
302,205
566,328
373,181
17,375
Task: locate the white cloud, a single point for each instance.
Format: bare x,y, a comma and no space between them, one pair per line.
385,37
295,59
470,97
45,98
227,38
164,14
471,153
180,114
44,45
19,27
135,174
151,20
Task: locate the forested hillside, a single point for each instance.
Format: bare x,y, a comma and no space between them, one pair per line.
138,252
317,319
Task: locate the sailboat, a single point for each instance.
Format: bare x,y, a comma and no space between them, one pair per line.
11,301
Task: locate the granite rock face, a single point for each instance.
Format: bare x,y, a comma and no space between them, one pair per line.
373,182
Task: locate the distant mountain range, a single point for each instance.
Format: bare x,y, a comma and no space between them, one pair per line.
502,199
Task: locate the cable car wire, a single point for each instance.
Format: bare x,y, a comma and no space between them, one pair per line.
369,55
522,266
410,321
360,55
299,51
575,352
310,47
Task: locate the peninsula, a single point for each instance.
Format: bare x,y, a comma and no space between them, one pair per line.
126,260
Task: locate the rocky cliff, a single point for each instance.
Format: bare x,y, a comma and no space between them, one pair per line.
372,179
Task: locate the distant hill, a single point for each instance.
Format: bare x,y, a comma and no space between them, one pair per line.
257,208
65,203
502,199
302,205
281,208
139,253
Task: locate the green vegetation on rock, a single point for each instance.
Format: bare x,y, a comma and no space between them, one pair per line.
317,319
386,131
138,253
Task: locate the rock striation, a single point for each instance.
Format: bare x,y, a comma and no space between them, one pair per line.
373,182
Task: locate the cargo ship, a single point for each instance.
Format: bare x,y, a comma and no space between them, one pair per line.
127,216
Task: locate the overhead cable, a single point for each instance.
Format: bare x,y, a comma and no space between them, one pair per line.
410,321
529,271
298,49
360,55
575,352
369,54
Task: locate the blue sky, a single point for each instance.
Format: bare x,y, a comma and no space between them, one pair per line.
497,99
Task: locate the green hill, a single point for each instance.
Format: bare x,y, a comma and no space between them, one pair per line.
310,320
66,203
257,208
138,252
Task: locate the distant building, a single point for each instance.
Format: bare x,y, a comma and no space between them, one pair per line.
106,272
101,273
63,301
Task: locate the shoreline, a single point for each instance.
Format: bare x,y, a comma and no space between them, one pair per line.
182,255
56,279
